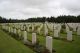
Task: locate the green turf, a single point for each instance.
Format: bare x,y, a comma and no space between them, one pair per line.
62,46
10,45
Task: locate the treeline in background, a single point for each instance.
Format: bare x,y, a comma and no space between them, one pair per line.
59,19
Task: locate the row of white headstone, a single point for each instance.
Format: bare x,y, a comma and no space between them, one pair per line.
46,29
34,38
56,31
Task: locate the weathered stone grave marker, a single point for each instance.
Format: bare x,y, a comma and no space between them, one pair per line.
69,35
33,38
49,43
25,37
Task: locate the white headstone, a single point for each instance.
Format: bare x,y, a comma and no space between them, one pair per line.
33,38
56,33
67,28
24,27
32,27
50,26
28,28
39,29
25,37
15,31
45,29
69,35
78,31
19,32
9,29
59,28
49,43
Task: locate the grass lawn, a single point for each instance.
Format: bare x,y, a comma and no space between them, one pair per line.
62,46
10,45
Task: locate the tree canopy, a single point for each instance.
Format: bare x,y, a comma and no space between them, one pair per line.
59,19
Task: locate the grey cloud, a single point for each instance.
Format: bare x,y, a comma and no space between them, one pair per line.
72,5
32,8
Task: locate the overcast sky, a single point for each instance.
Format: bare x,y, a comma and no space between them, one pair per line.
23,9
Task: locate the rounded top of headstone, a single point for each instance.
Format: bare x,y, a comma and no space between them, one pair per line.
49,36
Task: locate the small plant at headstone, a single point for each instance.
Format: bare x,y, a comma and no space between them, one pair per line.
40,49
